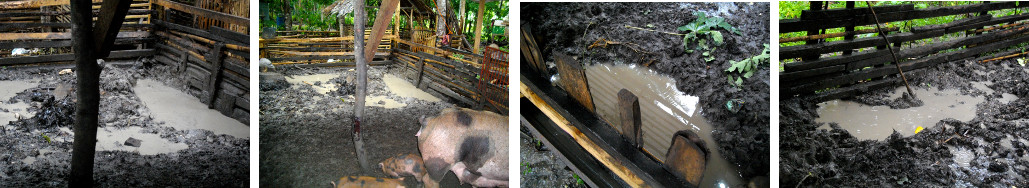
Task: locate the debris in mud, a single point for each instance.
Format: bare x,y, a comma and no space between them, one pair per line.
37,149
132,142
272,81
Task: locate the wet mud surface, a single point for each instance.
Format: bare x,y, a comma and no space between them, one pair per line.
742,137
307,131
37,142
540,167
988,150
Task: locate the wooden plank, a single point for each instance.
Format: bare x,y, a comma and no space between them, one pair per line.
65,43
629,111
798,51
229,18
846,13
105,30
230,35
878,57
70,57
795,25
64,35
910,65
573,80
615,163
195,31
30,4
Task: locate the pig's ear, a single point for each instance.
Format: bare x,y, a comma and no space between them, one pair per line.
421,120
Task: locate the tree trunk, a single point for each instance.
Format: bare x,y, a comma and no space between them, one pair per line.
360,17
88,93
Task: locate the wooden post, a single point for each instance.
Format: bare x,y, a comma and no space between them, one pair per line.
815,6
573,80
88,93
214,58
478,26
849,28
441,21
360,17
421,72
629,111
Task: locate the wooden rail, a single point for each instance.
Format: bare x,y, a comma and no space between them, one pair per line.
837,69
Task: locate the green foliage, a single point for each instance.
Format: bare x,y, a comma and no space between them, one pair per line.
45,137
578,180
703,30
746,67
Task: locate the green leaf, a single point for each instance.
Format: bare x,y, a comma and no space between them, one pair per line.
706,53
709,59
650,25
749,74
717,36
684,28
730,78
732,66
739,81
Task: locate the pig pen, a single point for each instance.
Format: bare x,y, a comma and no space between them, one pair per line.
575,29
153,131
306,126
976,135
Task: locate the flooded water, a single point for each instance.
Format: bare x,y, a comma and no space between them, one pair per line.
323,88
10,89
403,88
184,112
394,84
985,87
665,110
878,122
113,139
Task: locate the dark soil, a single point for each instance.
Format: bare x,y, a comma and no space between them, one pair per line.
541,168
307,137
210,161
743,136
820,158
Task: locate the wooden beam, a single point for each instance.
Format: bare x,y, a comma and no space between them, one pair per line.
573,80
613,162
30,4
112,14
65,35
382,19
229,18
478,27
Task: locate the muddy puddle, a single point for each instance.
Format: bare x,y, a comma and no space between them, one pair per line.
665,110
10,111
324,87
394,84
184,112
113,139
878,122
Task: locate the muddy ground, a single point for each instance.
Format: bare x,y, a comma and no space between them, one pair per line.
37,149
540,167
996,137
306,137
743,137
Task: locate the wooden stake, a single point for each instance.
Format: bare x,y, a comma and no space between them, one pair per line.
896,61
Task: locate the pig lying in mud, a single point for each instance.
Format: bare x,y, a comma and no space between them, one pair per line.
472,144
400,165
367,182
